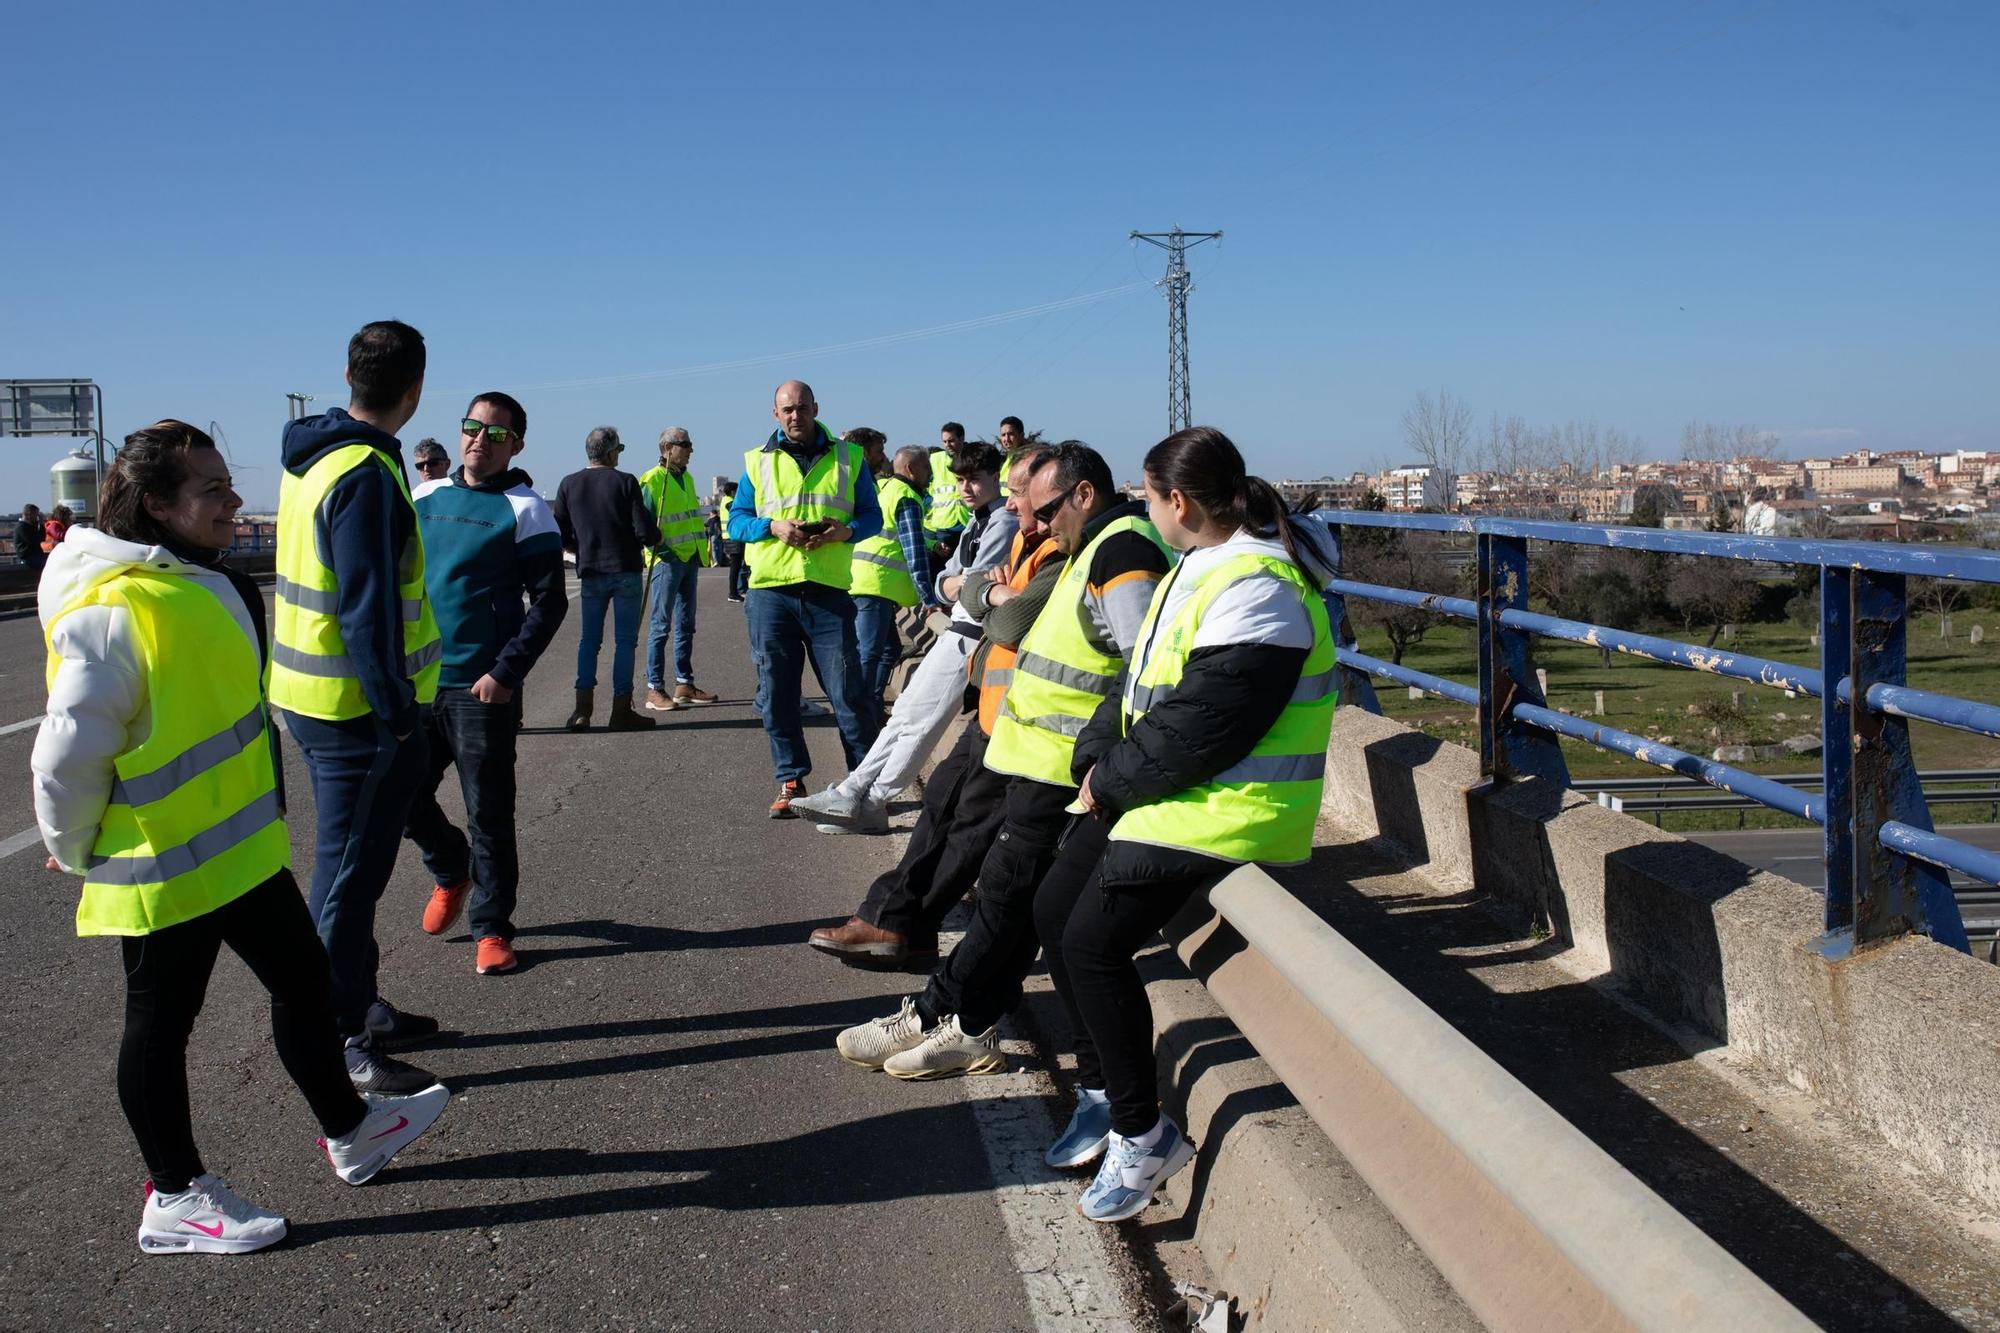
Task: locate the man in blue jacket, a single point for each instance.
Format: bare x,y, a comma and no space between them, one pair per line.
490,546
365,769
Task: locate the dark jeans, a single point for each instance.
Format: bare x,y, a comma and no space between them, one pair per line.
166,979
981,980
363,781
964,802
878,646
739,573
479,738
788,626
672,610
1090,925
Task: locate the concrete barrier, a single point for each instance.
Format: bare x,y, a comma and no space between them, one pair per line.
1903,1039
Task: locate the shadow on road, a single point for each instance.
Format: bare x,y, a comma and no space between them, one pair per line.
621,937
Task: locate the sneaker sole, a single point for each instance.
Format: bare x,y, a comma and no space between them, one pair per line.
985,1064
175,1242
514,966
372,1165
877,953
1182,1155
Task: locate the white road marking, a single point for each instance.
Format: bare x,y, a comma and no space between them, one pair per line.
1061,1257
21,841
13,727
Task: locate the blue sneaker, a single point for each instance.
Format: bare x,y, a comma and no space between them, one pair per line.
1082,1141
1130,1174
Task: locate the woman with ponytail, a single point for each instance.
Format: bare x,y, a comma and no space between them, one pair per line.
1212,757
157,782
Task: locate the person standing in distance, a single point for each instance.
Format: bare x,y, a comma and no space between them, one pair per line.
354,657
732,550
28,539
947,515
491,544
892,572
157,781
804,500
605,520
674,566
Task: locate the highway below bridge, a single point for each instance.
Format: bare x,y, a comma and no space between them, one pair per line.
650,1127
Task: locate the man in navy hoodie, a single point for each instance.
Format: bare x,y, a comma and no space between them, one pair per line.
489,543
343,675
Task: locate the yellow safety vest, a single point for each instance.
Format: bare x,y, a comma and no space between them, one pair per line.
1060,676
826,492
947,512
194,820
678,511
310,670
1265,807
880,567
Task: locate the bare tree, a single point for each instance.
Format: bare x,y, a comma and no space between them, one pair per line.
1710,592
1940,597
1438,430
1817,525
1398,560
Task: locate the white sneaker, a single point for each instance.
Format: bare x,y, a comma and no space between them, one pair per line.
947,1050
869,1044
833,804
867,817
392,1124
206,1218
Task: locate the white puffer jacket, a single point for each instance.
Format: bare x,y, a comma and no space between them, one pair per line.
99,704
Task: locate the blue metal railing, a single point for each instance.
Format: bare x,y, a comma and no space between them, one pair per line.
1885,866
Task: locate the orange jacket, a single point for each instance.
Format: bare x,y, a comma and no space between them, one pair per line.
996,664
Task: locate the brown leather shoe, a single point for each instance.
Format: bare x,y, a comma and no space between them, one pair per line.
659,701
859,942
685,693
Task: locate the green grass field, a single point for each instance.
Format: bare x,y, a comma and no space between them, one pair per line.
1651,700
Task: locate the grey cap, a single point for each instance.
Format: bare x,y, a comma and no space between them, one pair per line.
602,444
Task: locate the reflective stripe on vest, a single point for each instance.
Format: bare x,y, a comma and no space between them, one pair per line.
677,510
881,569
1060,676
998,673
947,513
1264,807
193,821
311,672
827,491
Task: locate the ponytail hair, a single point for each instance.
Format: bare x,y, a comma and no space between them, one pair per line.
1204,465
153,461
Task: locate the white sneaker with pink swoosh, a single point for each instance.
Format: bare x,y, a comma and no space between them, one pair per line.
206,1218
392,1124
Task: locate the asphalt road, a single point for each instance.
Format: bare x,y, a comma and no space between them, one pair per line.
650,1127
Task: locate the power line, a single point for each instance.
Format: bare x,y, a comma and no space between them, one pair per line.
1177,284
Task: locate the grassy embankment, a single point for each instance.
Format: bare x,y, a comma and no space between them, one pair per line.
1652,700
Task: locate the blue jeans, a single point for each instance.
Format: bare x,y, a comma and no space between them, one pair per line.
479,739
621,593
673,605
878,644
788,625
363,781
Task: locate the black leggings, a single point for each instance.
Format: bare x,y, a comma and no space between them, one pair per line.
1092,919
166,979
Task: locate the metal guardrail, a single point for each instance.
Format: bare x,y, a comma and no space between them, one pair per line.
1884,863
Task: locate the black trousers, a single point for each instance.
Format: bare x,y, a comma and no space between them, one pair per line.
479,738
166,979
964,802
1092,915
981,980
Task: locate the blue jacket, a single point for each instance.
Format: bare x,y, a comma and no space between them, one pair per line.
360,532
747,525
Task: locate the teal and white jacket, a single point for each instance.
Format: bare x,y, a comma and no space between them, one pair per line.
493,566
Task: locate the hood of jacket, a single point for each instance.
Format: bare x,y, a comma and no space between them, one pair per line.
307,440
1319,550
495,485
87,557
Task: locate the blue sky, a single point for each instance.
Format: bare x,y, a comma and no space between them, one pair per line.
1775,214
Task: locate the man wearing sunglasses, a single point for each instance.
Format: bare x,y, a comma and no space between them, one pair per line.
430,460
494,572
672,570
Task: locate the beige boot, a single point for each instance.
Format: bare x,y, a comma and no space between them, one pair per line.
625,718
586,703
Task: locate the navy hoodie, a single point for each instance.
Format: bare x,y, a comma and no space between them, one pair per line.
360,532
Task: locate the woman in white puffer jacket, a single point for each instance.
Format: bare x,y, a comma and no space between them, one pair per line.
156,780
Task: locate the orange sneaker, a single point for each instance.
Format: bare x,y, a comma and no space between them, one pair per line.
788,791
496,955
447,901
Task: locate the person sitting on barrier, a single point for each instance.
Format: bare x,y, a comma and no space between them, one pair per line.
157,780
964,801
934,694
1070,661
1210,757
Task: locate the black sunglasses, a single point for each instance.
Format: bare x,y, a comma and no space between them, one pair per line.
426,464
1048,511
498,434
